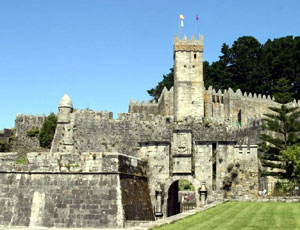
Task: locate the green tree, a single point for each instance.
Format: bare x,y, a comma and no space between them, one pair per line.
168,82
281,127
291,156
47,131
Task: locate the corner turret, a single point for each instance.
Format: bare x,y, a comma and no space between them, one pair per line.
64,109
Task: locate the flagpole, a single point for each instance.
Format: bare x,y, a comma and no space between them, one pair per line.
196,25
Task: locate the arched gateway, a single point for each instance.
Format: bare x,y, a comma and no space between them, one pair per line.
181,197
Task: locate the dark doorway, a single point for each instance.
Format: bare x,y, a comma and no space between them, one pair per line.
173,202
181,197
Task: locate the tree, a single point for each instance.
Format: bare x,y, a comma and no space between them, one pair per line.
47,131
291,156
281,128
168,81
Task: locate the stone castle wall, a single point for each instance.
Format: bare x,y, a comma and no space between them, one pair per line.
169,162
5,134
61,190
23,123
235,106
244,109
164,105
98,131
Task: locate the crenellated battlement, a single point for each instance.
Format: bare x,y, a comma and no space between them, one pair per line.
188,45
27,117
238,94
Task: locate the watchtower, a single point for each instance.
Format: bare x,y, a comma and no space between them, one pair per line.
188,77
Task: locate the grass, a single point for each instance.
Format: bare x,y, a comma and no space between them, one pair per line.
242,215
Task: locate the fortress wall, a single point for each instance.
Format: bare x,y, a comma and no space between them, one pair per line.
229,158
235,106
59,200
164,105
157,154
166,102
23,123
149,107
240,164
5,134
57,194
95,131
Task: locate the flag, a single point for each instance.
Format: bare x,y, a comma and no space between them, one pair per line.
197,18
181,23
181,17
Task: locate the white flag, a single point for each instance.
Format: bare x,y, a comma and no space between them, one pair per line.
181,23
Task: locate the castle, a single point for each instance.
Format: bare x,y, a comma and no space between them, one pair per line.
104,172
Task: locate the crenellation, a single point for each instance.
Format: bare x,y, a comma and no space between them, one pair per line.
239,93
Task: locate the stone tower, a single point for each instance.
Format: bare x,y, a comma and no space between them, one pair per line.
188,78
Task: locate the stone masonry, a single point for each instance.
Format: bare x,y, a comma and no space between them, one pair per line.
104,172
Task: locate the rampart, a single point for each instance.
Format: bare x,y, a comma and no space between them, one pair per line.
164,105
98,131
60,190
219,106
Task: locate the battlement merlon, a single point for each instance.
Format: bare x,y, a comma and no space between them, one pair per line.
188,45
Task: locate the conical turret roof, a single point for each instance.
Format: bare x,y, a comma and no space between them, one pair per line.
66,102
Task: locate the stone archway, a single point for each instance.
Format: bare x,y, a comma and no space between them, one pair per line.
180,195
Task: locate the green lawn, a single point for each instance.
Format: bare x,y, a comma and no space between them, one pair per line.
242,215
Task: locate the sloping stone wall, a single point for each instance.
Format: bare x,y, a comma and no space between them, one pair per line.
59,200
91,189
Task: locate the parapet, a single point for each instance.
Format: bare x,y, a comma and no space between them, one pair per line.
243,96
188,45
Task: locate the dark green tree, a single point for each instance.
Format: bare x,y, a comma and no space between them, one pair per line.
47,131
280,132
167,81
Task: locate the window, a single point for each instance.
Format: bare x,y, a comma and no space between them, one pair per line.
195,56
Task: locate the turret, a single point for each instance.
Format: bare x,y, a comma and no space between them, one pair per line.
64,109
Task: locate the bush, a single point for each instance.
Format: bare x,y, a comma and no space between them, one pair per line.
4,146
33,132
285,188
47,131
22,160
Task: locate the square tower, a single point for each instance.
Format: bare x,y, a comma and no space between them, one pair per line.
188,78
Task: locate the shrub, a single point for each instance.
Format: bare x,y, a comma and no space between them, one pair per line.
22,160
47,131
284,188
4,146
33,132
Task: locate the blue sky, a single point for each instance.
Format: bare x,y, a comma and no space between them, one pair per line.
102,53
